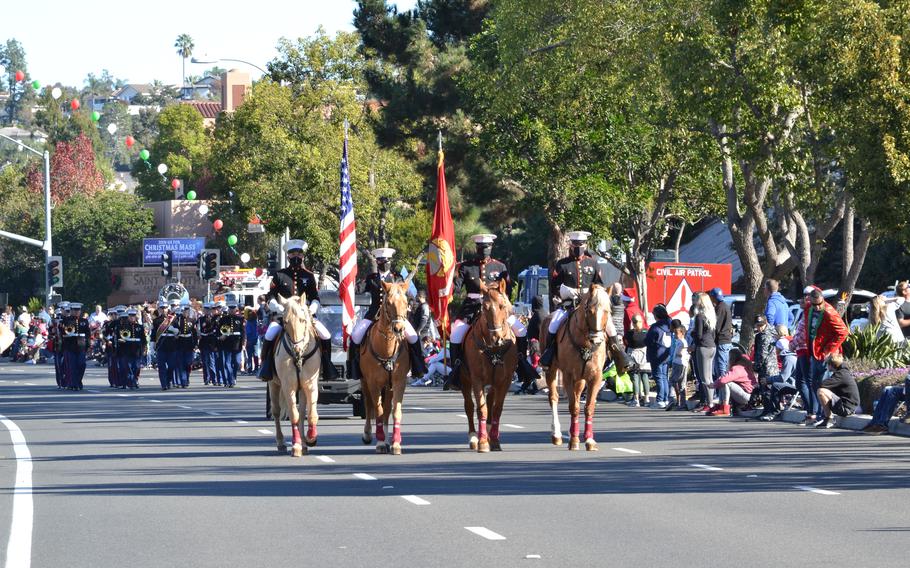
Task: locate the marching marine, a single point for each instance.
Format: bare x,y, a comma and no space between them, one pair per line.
207,330
165,335
230,344
185,346
373,286
295,280
75,345
474,276
130,348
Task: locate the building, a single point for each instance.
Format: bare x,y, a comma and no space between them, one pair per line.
130,91
208,109
236,87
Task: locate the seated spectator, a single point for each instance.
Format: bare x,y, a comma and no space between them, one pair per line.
784,383
736,385
529,386
838,394
680,367
436,369
640,369
887,404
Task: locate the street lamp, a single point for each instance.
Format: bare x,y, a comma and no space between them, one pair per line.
220,59
46,244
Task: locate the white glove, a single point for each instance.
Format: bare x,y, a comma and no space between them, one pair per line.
173,329
274,306
314,307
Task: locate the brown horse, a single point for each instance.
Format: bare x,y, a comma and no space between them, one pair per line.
297,366
384,367
490,358
580,357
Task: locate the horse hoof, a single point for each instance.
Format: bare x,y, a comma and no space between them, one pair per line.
311,443
472,442
282,449
483,447
366,439
396,450
495,446
382,448
574,444
297,452
591,446
556,440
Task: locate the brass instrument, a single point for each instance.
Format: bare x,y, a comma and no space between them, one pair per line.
69,329
125,334
227,329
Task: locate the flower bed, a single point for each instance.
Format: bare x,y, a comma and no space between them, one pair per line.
872,382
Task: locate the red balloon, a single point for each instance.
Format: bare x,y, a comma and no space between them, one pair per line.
218,224
130,141
74,104
20,75
175,183
258,272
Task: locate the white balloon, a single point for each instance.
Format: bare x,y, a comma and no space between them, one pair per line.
56,93
204,209
244,258
112,128
162,169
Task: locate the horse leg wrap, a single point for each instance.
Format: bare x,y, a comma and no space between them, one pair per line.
380,431
311,432
589,429
295,430
494,429
573,428
482,427
396,432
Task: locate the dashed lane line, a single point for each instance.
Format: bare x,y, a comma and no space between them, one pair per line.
706,467
364,476
154,400
415,500
516,426
462,415
266,432
486,533
241,421
184,407
815,490
325,459
625,450
210,413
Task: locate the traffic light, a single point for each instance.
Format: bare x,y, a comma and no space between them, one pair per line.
273,263
54,271
211,263
200,265
167,264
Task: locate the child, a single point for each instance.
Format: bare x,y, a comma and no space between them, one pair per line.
640,370
680,349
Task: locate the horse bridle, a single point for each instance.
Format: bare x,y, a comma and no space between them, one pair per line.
388,363
293,347
495,355
586,352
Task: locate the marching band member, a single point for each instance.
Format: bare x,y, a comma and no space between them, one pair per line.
130,348
75,345
207,330
185,347
165,344
231,343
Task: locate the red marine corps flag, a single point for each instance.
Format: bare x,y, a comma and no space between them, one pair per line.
441,254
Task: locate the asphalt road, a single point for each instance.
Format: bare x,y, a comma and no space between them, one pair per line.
192,478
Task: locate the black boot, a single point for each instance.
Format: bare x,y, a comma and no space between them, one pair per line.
329,372
618,354
353,362
418,365
547,358
453,381
525,371
267,358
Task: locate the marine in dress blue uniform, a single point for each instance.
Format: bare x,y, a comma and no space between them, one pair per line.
165,335
185,347
207,330
130,340
75,344
230,346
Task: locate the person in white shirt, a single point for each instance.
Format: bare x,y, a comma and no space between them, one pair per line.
680,364
98,317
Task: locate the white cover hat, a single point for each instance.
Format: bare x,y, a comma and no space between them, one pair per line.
296,244
578,235
483,238
384,252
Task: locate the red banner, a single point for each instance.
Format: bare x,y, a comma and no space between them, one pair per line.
441,254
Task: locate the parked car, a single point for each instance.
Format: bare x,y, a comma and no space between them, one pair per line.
343,390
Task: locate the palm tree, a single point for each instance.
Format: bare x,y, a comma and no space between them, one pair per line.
184,45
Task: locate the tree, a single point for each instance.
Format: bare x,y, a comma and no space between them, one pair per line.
94,233
73,171
21,94
22,212
184,45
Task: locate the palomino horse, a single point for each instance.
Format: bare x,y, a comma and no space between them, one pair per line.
580,357
384,367
297,367
490,359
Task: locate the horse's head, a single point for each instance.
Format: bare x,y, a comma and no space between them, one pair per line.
297,316
394,313
596,311
496,309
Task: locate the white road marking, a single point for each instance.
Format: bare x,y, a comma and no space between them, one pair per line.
241,421
417,408
30,384
626,450
532,556
325,459
753,475
184,407
388,487
266,432
415,499
120,394
210,413
815,490
516,426
706,467
364,476
153,400
462,415
93,390
19,547
486,533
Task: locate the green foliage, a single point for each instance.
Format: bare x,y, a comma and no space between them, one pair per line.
21,212
21,94
868,345
184,145
34,305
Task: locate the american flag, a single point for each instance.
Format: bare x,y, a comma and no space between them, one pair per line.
348,253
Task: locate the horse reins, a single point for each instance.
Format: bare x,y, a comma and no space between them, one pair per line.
291,347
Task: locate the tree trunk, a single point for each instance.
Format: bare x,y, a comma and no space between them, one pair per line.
556,247
679,236
856,253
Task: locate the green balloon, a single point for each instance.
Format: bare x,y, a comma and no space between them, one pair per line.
96,116
36,84
191,195
232,240
144,154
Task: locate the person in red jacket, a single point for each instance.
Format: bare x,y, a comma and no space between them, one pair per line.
825,333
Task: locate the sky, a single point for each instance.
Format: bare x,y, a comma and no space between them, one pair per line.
64,41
